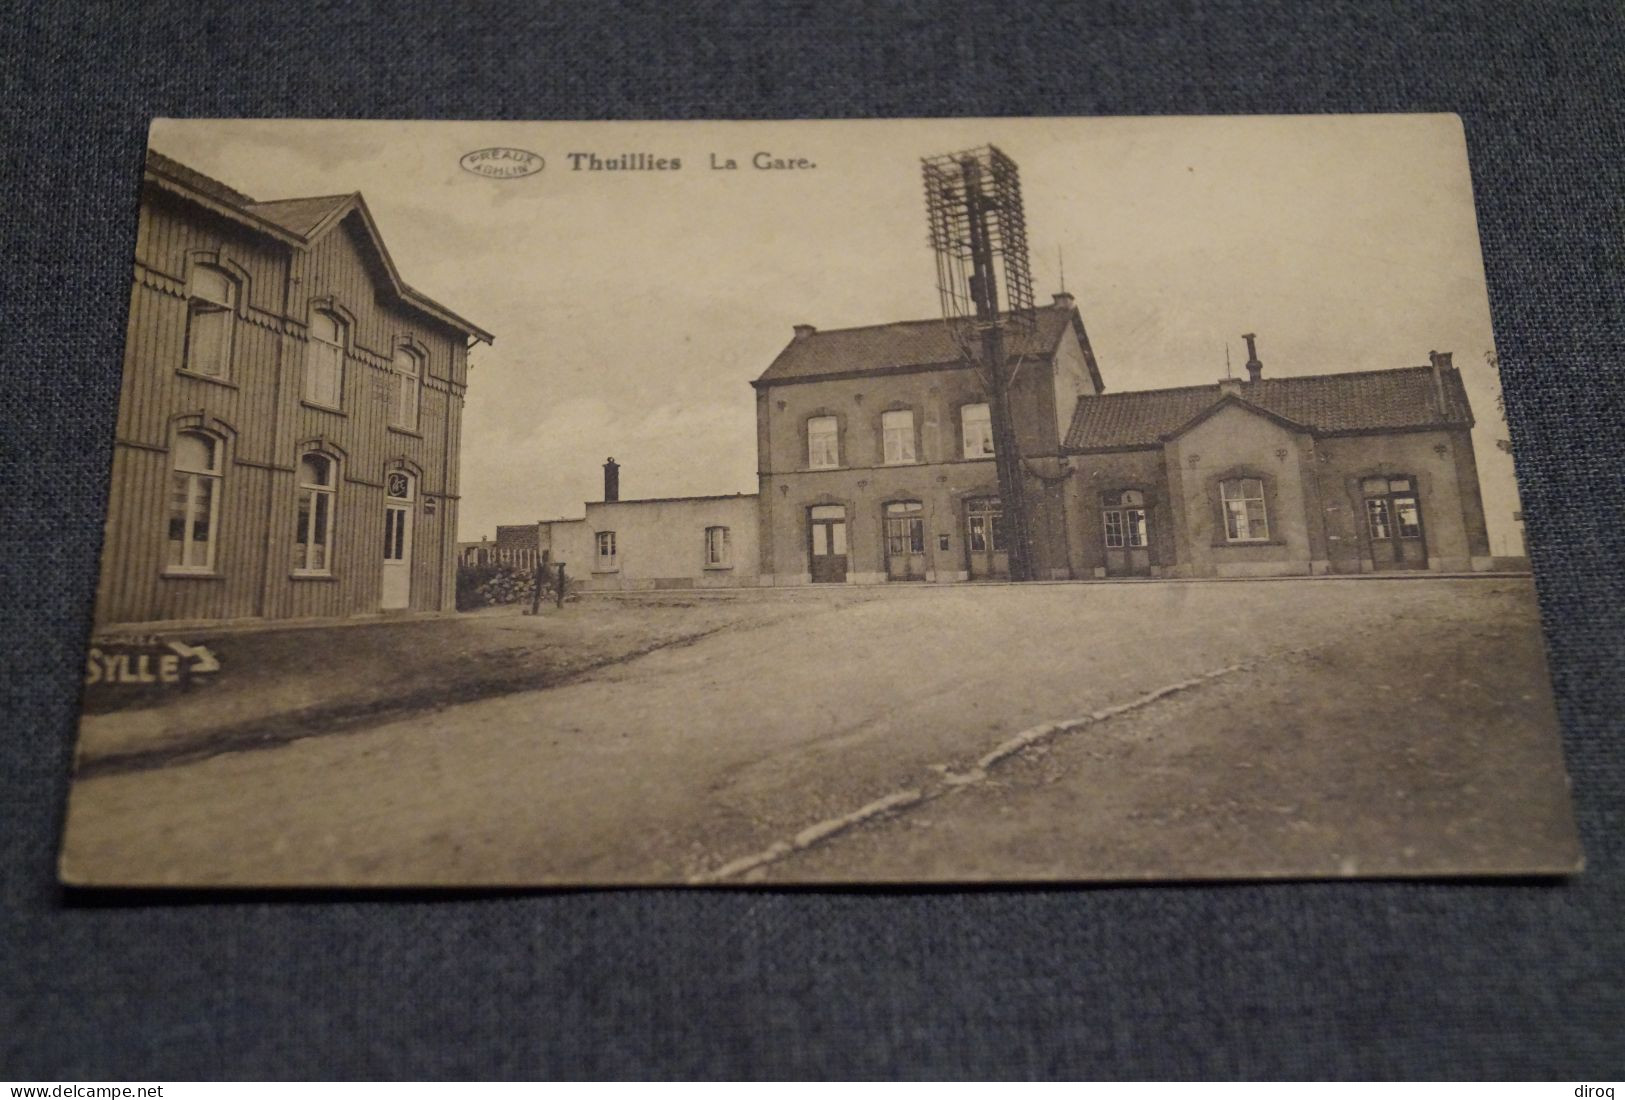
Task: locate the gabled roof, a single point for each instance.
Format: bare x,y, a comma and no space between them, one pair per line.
301,216
1403,399
299,223
893,348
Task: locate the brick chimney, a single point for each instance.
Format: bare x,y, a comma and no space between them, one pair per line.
612,481
1063,300
1255,369
1441,363
804,331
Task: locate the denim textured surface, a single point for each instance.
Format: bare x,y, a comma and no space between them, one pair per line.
1321,980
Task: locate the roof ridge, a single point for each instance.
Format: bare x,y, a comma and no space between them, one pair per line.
920,321
304,198
1275,378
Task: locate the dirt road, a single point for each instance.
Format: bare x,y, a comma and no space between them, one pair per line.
676,763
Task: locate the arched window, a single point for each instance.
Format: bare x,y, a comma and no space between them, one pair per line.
976,425
194,502
403,405
324,360
897,430
823,442
211,309
1245,517
313,525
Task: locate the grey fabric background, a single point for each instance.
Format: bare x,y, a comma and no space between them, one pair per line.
1324,980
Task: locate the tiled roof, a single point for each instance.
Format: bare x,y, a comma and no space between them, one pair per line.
902,344
298,215
197,180
1379,400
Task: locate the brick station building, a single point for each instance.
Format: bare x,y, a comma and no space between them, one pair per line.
875,462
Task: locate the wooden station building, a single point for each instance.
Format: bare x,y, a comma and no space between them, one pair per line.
289,420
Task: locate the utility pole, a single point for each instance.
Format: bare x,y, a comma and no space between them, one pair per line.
978,231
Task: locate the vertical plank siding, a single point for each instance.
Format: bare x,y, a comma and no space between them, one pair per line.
258,410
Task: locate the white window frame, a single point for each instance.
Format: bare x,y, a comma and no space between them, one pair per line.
718,548
897,437
324,362
204,309
315,499
980,417
1238,520
406,388
826,457
605,562
194,481
990,531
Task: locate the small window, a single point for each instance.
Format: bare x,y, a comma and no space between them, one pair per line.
194,502
407,380
898,429
605,560
313,523
1245,519
324,361
211,310
823,442
718,552
977,425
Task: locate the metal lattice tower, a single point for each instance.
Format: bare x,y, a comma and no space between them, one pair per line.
979,235
973,203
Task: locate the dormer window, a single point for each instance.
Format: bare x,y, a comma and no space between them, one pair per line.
211,309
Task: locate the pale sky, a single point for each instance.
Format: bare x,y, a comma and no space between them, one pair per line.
632,308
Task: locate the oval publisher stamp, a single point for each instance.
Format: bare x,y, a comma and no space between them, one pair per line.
501,162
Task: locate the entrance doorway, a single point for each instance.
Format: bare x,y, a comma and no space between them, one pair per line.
905,541
400,493
1126,531
1393,520
826,533
984,539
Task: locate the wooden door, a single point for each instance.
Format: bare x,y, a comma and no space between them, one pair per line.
984,539
905,541
826,533
398,507
1393,522
1126,533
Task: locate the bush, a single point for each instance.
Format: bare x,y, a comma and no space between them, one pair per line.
489,585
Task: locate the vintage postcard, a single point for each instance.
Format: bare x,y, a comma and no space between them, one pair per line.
931,501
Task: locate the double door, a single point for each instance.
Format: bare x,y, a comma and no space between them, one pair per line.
1393,520
826,533
1126,532
905,541
984,539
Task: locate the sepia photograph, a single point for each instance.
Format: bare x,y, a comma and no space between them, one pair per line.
966,501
